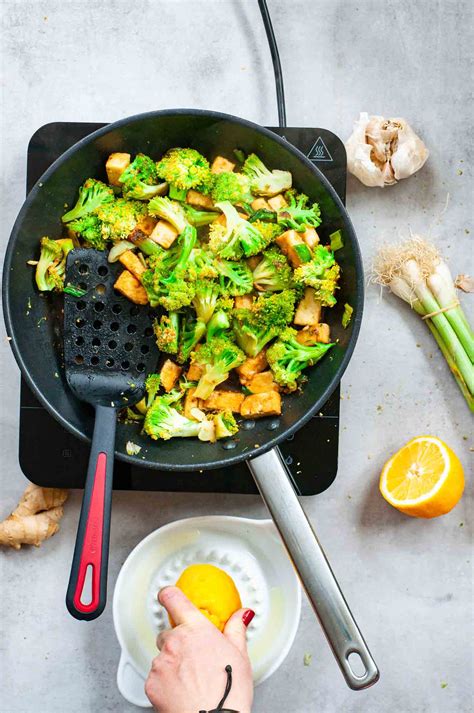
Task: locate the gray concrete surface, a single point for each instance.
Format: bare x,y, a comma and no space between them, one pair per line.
409,582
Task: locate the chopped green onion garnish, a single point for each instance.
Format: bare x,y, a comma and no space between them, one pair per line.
74,291
336,240
303,252
266,216
347,316
239,155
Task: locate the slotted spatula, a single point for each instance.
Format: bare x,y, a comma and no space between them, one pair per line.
108,351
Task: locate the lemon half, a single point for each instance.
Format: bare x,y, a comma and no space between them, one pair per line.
212,591
425,478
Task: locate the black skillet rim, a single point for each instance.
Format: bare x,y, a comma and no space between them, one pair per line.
272,442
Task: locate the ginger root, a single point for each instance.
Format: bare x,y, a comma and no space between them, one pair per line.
35,518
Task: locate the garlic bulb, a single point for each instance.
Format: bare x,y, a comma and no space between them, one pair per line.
382,151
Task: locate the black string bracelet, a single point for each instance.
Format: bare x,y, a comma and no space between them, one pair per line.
228,686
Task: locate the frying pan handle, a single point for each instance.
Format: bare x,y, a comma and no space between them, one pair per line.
91,552
328,602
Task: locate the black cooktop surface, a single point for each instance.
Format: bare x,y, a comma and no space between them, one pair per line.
311,455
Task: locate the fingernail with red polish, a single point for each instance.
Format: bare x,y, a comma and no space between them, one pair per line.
248,616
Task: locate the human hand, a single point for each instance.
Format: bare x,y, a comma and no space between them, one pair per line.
188,675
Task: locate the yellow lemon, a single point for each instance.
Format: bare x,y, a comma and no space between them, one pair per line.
423,479
212,591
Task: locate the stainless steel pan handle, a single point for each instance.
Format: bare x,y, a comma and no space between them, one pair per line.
313,568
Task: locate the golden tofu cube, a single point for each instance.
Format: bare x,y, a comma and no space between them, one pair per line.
194,372
222,165
190,402
128,285
243,301
115,166
310,237
223,401
260,204
261,383
308,311
132,263
146,224
317,333
164,234
169,374
294,247
277,202
252,366
258,405
199,200
324,333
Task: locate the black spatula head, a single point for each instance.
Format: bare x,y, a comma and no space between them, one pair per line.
109,346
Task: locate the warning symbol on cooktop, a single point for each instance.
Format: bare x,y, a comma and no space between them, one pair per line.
319,151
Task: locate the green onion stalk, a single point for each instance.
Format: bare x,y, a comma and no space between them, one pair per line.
415,271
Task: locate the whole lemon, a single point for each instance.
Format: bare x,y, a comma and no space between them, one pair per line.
212,591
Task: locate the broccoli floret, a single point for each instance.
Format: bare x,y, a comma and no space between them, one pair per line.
268,231
321,273
235,277
192,331
89,229
273,272
152,384
166,281
178,293
140,179
205,299
201,265
238,237
217,358
297,215
287,358
168,210
225,424
198,218
167,332
164,261
218,325
148,282
51,255
232,187
119,218
91,195
163,421
269,315
224,240
206,185
262,181
51,267
225,303
183,168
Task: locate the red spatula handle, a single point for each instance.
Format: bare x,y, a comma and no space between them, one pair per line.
87,589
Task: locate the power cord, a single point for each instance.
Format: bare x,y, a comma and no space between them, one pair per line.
280,93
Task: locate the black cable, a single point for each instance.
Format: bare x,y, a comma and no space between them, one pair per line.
276,62
228,670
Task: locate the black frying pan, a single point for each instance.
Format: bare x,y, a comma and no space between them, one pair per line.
37,342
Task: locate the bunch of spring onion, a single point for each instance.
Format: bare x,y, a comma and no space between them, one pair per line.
415,271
